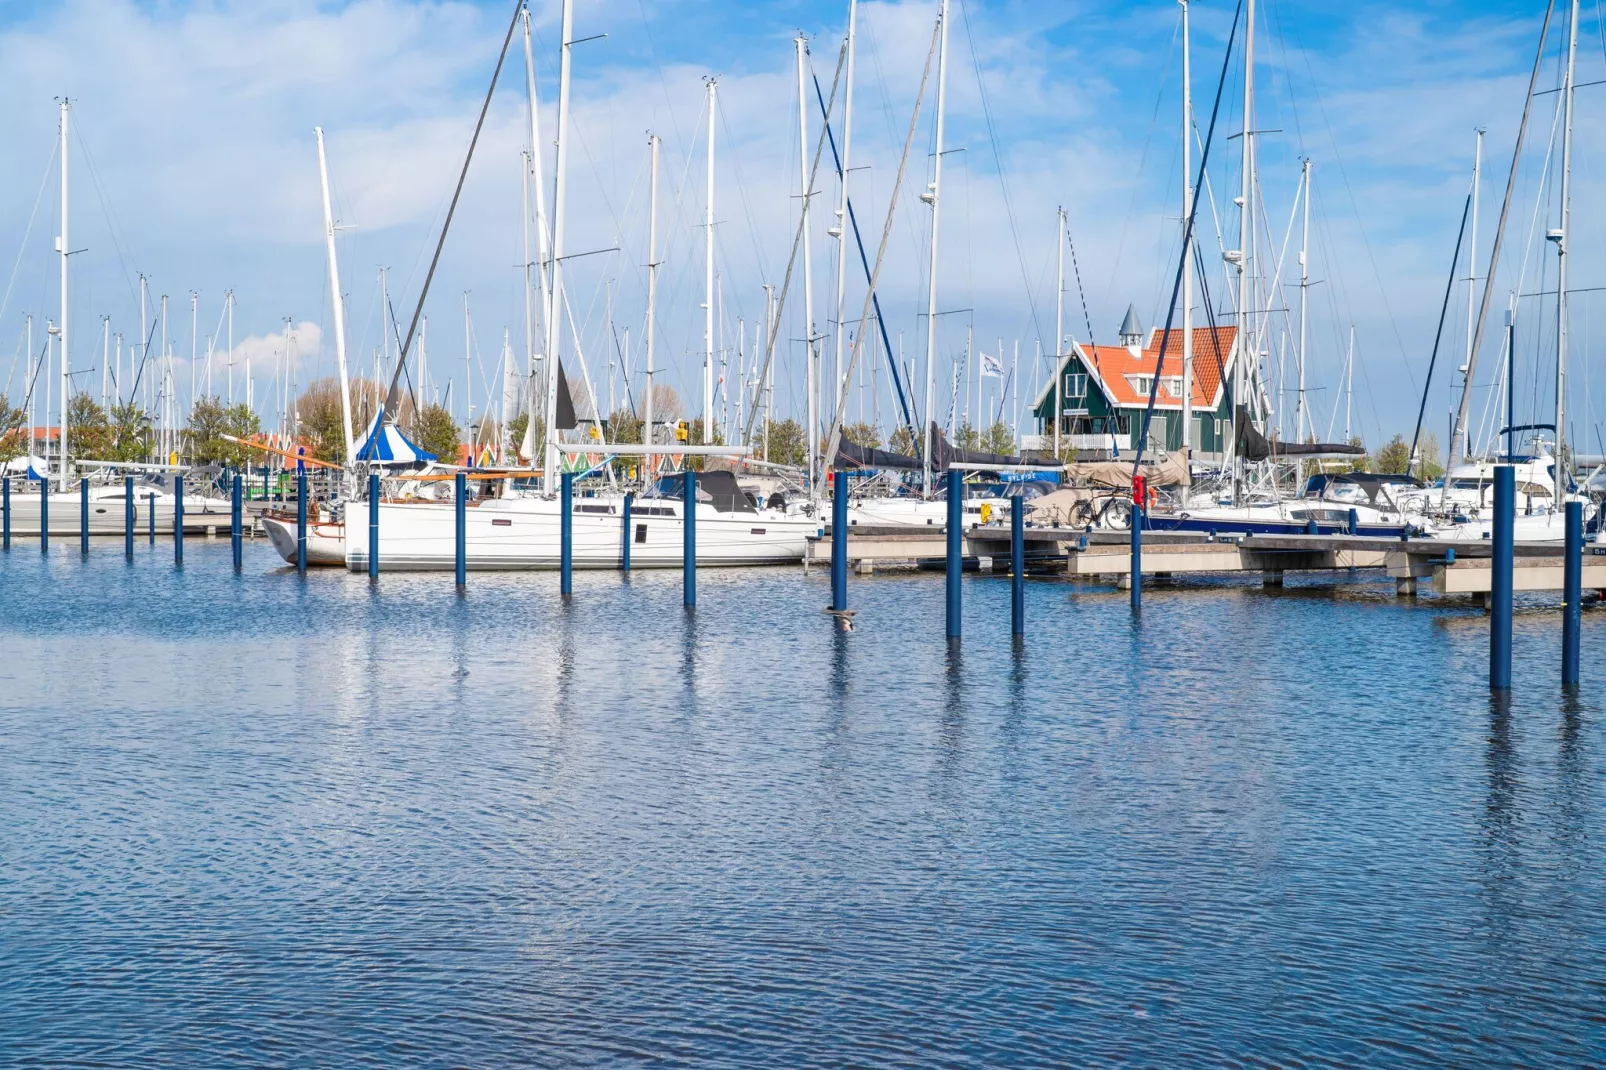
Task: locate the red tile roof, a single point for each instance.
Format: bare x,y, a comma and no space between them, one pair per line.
1116,366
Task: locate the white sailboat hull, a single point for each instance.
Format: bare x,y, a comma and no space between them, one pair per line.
106,514
524,534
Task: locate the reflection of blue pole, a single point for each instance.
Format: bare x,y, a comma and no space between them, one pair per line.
460,507
624,533
1017,566
83,515
301,521
373,525
956,560
566,546
236,508
1505,515
1137,553
688,547
1572,613
178,518
128,517
839,542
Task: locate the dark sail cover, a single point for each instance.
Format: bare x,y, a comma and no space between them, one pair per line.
850,456
1254,446
566,419
943,454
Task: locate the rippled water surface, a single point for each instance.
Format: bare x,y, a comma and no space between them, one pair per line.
261,820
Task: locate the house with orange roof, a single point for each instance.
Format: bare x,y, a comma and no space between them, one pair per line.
1104,391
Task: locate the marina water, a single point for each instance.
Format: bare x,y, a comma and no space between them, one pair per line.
258,819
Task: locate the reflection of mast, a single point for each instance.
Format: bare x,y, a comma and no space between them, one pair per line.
1559,236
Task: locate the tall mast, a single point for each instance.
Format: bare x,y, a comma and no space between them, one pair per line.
841,233
1187,238
228,305
1304,311
932,197
1349,381
105,356
1059,328
163,392
1472,277
811,429
652,289
195,323
549,464
1240,378
1560,237
468,376
708,277
66,382
542,236
335,303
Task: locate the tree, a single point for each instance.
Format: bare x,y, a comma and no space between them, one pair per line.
130,432
436,432
89,435
1428,465
624,426
862,435
787,444
905,443
998,439
320,421
203,438
13,432
967,437
1392,457
694,437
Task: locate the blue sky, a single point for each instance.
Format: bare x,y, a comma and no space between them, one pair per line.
195,164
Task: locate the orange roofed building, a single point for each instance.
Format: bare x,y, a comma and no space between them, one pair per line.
1104,391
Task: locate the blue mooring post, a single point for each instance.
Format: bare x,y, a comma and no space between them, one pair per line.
236,509
150,518
265,495
839,541
1572,612
373,525
301,522
956,543
1354,521
624,530
1017,566
566,541
178,518
461,504
689,540
128,517
5,507
1137,553
1505,515
44,517
83,515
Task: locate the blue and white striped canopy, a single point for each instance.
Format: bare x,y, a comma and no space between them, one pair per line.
384,444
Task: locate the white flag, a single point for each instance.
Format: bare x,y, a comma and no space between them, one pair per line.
992,366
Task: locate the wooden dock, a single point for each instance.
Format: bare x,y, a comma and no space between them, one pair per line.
1452,568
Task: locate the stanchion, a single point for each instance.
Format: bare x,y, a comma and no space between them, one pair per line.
178,518
460,504
44,517
128,517
5,508
1505,514
956,544
150,518
373,525
566,539
1572,613
624,533
236,509
83,516
301,522
688,549
839,542
1017,566
1137,552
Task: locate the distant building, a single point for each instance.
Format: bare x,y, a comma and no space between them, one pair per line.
1104,391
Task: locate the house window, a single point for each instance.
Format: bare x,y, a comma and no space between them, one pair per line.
1173,386
1143,384
1076,386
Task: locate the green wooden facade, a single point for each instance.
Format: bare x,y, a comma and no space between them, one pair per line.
1089,411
